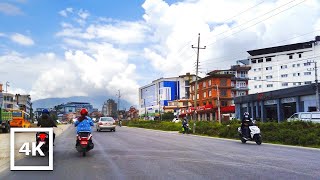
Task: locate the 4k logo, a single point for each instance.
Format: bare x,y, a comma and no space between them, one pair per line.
25,149
30,149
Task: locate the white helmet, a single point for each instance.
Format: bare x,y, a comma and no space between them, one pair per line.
246,114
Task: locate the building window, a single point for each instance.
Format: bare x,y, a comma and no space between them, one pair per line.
223,82
269,85
268,59
260,86
187,83
224,103
260,60
197,86
205,94
284,67
294,84
197,96
285,84
284,75
223,92
243,74
210,82
307,73
307,82
259,69
269,77
300,55
253,61
293,65
255,86
290,56
254,70
299,83
204,84
307,64
192,88
268,68
298,65
210,93
255,78
259,77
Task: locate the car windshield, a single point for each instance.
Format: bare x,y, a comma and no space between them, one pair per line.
106,119
295,116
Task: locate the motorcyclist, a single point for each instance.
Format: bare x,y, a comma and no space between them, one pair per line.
246,122
46,121
83,123
185,125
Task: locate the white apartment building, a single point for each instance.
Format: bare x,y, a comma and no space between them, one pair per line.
284,66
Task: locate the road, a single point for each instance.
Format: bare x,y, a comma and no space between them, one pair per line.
132,153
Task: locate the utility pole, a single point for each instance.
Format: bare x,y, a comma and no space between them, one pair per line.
315,69
196,84
218,96
7,85
119,96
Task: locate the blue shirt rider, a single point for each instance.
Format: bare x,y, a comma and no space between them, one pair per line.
84,122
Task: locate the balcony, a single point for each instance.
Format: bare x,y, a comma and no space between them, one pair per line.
240,88
240,77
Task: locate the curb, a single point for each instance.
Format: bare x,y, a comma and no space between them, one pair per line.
233,140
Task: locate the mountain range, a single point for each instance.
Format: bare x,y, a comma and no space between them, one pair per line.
95,101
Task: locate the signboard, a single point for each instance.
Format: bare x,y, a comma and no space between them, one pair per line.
270,102
288,100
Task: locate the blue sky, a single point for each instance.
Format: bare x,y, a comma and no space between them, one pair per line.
94,47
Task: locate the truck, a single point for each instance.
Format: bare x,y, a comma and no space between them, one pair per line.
5,119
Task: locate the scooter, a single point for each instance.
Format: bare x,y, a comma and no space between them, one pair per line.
43,137
187,129
120,123
254,134
84,142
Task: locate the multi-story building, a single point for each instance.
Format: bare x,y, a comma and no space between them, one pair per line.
216,85
156,95
284,66
9,101
109,108
24,102
73,107
112,108
239,81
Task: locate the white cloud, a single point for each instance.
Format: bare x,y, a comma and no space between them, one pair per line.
103,55
22,39
66,11
9,9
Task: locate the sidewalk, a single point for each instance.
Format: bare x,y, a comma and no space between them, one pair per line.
20,137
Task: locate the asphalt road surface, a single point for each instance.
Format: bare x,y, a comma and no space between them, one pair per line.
132,153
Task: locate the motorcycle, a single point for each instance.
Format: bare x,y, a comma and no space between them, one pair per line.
120,123
185,129
84,142
43,137
254,134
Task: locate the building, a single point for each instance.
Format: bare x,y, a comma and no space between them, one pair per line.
74,107
156,95
9,101
240,80
24,102
279,104
216,85
109,108
284,66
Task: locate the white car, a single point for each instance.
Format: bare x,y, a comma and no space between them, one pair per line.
176,120
107,123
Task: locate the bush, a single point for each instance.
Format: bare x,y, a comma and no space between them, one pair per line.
290,133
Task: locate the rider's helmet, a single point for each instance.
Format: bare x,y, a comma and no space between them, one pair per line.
45,111
84,112
246,114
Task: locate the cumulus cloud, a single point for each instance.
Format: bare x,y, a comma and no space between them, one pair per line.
22,39
66,11
9,9
102,55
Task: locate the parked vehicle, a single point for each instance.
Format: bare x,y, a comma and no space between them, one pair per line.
254,134
6,117
106,123
305,116
84,142
176,120
20,119
43,137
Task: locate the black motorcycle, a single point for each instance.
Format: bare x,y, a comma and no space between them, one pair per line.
43,137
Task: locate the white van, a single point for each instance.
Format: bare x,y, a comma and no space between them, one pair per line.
305,116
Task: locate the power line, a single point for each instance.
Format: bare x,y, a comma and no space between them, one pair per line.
257,22
255,18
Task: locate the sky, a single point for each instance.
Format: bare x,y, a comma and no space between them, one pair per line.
84,48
